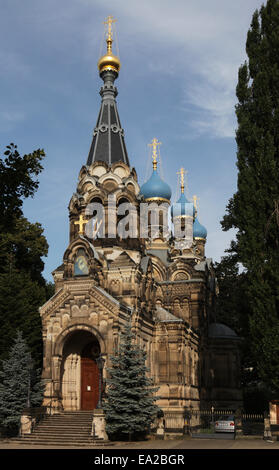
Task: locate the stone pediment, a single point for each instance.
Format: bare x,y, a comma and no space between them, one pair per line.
78,299
163,315
122,260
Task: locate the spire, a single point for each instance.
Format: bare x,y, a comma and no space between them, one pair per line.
108,144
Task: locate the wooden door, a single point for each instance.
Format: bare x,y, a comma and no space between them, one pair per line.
89,384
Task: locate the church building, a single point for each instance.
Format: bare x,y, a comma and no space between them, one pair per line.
118,269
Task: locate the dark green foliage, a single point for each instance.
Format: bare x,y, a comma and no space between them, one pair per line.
231,306
254,208
22,245
20,300
20,385
232,309
130,402
17,183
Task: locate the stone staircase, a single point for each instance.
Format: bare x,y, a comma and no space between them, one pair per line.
66,429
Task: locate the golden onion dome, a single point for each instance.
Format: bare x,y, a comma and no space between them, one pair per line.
109,61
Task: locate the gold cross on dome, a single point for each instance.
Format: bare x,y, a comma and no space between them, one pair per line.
195,201
154,144
182,172
109,22
80,223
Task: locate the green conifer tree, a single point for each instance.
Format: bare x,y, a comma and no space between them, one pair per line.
20,384
130,402
254,208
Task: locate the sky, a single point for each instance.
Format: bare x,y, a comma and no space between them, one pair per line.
179,70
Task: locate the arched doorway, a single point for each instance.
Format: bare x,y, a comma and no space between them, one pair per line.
79,371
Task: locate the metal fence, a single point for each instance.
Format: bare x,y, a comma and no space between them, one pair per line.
252,424
175,422
203,422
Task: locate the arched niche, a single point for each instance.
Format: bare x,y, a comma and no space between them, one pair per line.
79,374
180,275
81,264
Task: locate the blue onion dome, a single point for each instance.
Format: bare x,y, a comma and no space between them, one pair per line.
155,188
182,207
199,231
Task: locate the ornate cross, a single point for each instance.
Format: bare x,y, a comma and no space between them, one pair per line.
80,223
109,22
195,201
182,172
154,144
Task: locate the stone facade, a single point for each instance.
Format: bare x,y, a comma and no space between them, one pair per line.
166,290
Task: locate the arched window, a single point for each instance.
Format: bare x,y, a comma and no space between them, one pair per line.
81,263
96,225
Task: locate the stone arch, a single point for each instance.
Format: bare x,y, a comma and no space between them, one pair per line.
125,196
71,329
86,184
131,187
120,169
95,261
180,275
109,178
75,368
82,172
98,169
96,193
176,307
159,270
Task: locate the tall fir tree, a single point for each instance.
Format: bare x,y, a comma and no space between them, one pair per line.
254,208
20,384
130,405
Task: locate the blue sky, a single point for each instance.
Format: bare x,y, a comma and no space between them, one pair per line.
180,62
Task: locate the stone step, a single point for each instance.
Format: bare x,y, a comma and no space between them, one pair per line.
65,443
62,424
71,429
66,420
56,432
58,438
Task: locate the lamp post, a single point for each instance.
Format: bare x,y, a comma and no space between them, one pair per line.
100,361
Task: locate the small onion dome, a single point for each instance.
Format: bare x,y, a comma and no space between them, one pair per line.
156,189
182,207
199,231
